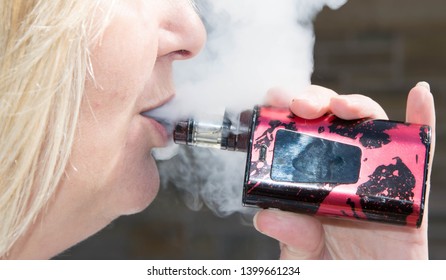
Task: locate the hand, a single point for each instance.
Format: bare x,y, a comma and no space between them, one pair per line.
306,237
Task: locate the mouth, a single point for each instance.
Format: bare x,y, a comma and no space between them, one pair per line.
167,113
157,115
166,124
160,115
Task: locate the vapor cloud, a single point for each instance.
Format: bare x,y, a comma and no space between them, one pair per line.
252,46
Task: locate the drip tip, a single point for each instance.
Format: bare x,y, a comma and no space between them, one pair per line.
182,133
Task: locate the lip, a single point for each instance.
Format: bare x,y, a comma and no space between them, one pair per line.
160,125
158,105
161,131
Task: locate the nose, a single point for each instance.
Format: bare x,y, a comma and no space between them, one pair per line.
182,33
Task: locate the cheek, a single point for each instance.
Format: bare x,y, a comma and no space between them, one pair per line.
112,172
126,55
111,167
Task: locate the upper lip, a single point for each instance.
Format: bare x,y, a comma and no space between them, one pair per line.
162,102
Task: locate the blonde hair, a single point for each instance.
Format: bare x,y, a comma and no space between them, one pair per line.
44,62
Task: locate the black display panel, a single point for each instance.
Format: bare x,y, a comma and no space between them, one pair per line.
301,158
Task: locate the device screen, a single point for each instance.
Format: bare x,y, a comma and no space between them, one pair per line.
301,158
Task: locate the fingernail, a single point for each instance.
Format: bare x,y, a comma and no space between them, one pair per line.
425,85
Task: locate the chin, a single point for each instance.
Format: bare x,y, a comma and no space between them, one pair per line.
143,201
145,194
138,189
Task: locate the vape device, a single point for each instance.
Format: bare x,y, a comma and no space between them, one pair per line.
373,170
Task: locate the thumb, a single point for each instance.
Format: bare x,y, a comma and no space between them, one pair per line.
420,109
420,105
301,236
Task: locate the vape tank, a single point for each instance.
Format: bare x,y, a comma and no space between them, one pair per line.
364,169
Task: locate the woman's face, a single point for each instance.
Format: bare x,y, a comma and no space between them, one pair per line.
132,68
111,171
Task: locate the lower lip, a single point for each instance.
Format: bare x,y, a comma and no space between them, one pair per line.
161,131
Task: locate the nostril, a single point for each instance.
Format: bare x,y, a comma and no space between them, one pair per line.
183,54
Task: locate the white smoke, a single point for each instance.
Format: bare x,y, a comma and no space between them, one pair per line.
252,46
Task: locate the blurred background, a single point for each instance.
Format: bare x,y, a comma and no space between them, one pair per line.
378,48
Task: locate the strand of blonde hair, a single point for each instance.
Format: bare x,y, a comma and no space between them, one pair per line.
43,66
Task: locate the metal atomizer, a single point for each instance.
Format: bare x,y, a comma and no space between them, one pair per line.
372,170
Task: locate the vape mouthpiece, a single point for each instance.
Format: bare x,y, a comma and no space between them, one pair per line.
183,132
225,133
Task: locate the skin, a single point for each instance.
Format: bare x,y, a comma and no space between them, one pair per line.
111,171
307,237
